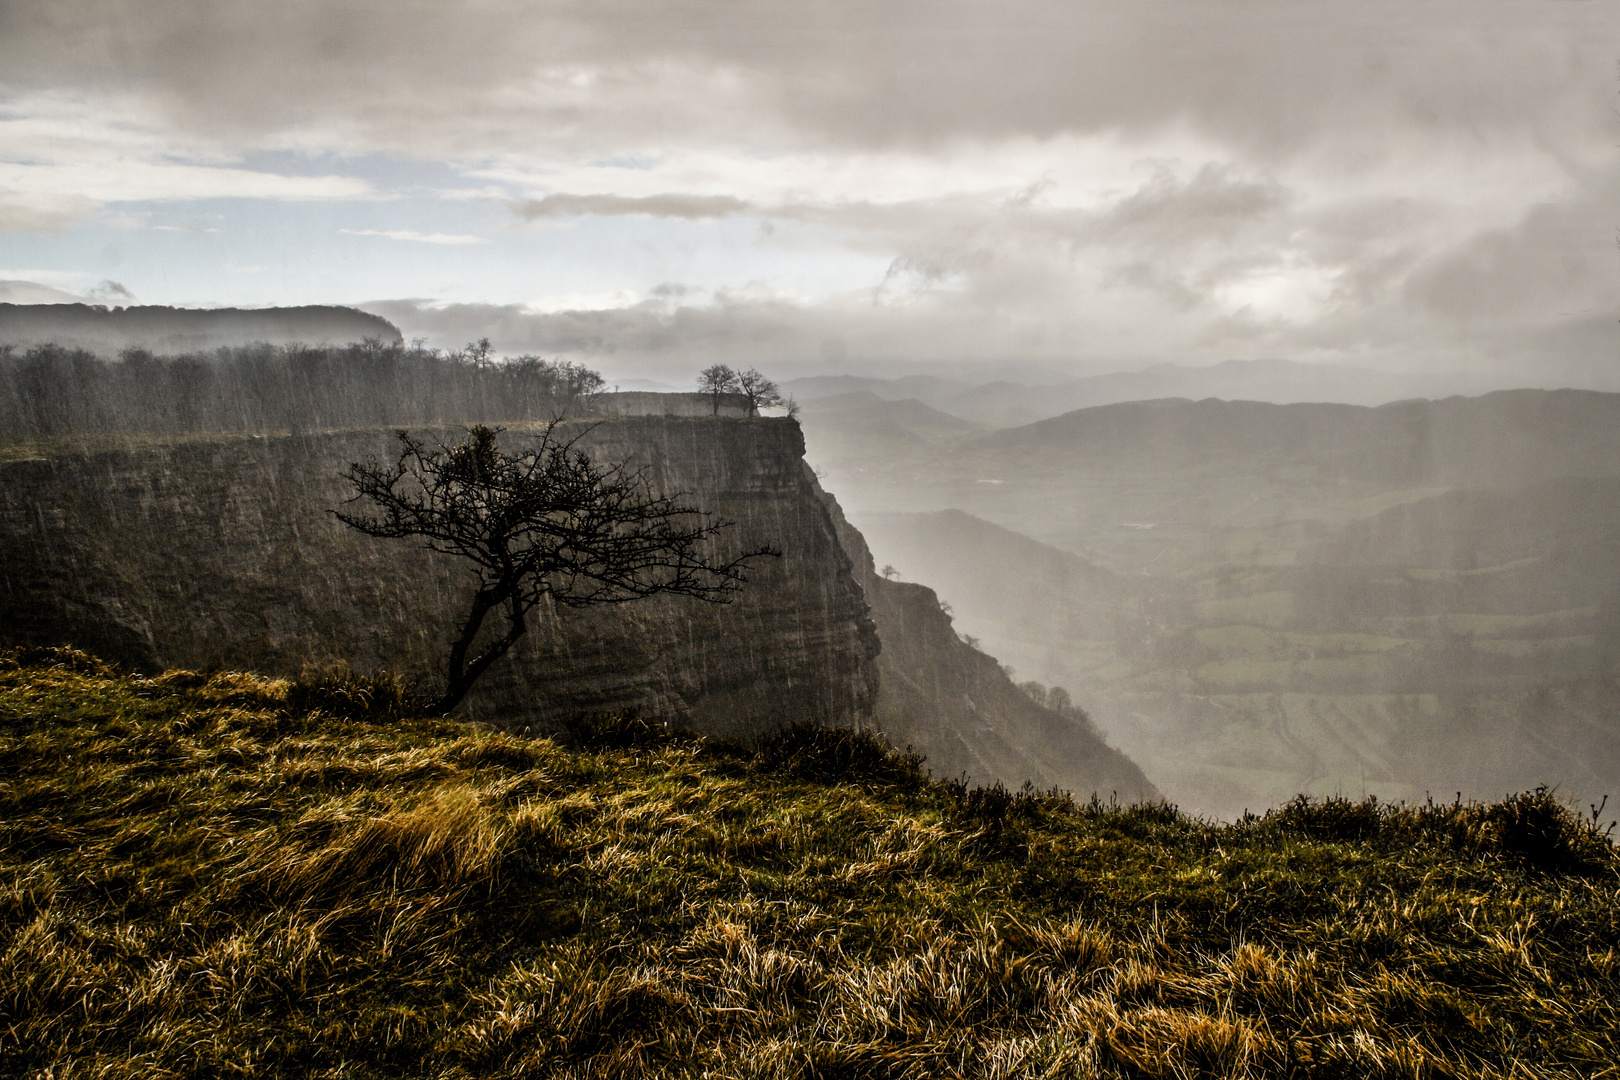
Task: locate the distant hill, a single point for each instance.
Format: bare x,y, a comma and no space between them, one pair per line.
856,426
108,331
1003,580
1005,404
1280,382
1508,437
927,388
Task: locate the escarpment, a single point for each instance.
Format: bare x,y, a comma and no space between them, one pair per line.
222,552
955,704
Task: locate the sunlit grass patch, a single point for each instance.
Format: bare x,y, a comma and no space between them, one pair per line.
219,874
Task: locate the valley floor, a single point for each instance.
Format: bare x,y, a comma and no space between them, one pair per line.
231,876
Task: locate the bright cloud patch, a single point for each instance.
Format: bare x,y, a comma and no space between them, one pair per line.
417,237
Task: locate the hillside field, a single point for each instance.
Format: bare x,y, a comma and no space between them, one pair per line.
222,875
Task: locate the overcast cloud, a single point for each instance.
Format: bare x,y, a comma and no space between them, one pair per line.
1019,187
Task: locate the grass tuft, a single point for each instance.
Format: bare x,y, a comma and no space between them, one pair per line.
339,691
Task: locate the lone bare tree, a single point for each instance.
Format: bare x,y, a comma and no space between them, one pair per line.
540,522
717,380
761,392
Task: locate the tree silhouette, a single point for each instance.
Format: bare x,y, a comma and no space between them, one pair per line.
717,380
542,522
761,392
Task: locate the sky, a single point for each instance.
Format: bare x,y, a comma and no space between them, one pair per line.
1030,190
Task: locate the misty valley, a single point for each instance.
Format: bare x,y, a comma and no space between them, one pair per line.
1255,600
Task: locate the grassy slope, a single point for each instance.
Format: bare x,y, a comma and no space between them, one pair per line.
205,877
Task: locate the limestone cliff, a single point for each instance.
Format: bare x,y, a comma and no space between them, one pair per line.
206,553
222,552
955,704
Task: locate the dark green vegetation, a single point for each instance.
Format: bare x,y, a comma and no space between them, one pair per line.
50,393
231,876
1255,600
163,329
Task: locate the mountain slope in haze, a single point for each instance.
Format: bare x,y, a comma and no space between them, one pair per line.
924,388
1280,382
857,427
1467,642
1004,403
1511,436
108,331
1028,591
956,705
1338,599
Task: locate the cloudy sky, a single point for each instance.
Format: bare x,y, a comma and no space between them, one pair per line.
969,188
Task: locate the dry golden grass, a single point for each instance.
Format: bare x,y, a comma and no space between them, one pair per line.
233,876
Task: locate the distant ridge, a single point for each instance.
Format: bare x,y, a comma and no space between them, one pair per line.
1505,437
108,331
1281,382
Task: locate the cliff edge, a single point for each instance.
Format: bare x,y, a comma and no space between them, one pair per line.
210,553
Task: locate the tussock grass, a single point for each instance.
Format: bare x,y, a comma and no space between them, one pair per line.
225,875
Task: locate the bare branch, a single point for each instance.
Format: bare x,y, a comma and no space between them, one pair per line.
543,520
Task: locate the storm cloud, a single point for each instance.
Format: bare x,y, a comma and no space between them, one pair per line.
1059,185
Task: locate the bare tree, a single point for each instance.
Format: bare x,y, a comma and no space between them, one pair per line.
717,380
761,392
543,522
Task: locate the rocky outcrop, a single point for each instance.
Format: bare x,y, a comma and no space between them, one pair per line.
222,553
940,695
108,331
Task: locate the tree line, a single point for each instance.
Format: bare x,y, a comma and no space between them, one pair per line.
51,391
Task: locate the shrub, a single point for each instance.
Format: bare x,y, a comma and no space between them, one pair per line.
1335,818
1535,833
622,731
830,755
54,656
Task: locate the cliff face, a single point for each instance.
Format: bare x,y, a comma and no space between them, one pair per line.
221,552
955,704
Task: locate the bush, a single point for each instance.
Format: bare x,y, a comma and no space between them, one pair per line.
1534,833
829,755
622,731
54,656
1335,818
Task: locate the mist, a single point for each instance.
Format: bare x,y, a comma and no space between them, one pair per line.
1254,600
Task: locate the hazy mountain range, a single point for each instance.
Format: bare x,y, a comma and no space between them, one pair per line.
1008,404
1257,599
